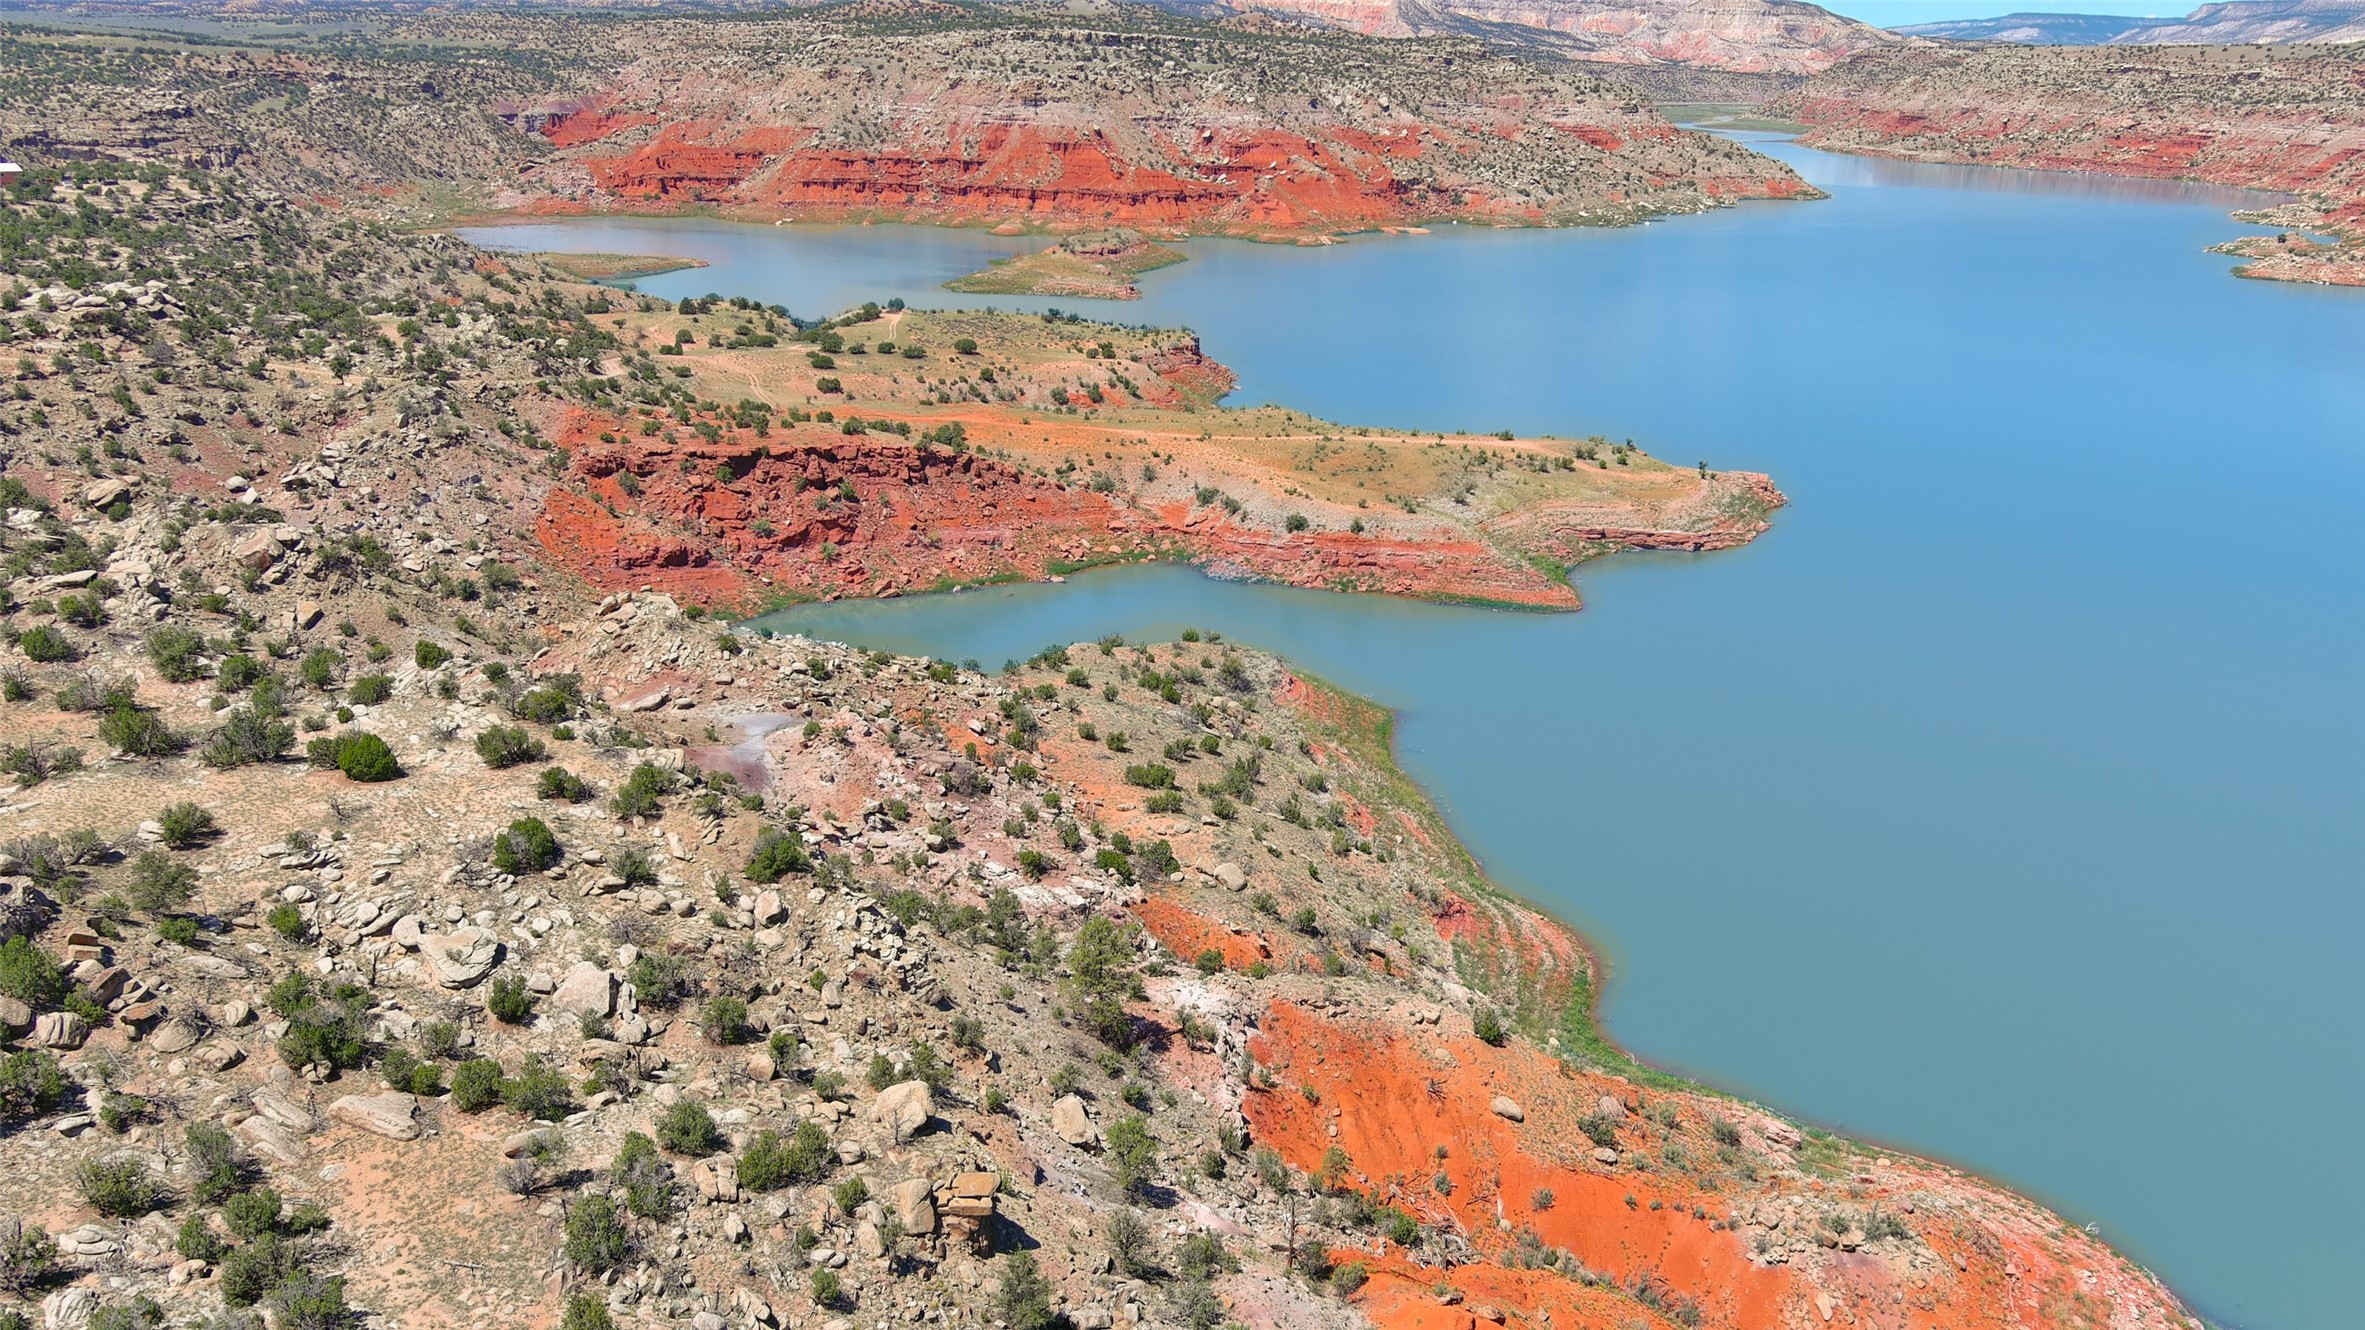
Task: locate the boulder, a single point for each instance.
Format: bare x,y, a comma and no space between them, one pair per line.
717,1179
101,493
528,1142
392,1114
587,990
769,909
868,1241
177,1035
60,1029
461,957
271,1140
257,551
903,1108
1231,876
1071,1123
915,1205
1505,1106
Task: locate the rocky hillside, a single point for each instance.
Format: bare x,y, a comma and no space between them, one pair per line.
1741,36
2290,119
1122,115
393,925
1025,115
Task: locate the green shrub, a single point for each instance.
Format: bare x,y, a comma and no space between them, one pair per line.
320,667
30,975
586,1312
659,980
365,758
828,1290
1349,1277
248,736
596,1240
251,1214
186,825
239,672
776,855
139,732
46,645
31,1083
28,1260
538,1091
306,1301
141,1313
159,882
325,1029
287,920
369,690
1133,1154
510,1002
770,1162
1023,1298
508,746
197,1240
177,653
560,783
724,1020
646,1180
118,1188
476,1085
686,1128
641,791
429,655
252,1269
527,847
546,706
215,1160
1488,1026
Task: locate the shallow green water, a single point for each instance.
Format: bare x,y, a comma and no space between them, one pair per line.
2004,803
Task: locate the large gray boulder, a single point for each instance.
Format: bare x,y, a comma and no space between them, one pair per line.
587,990
1071,1123
393,1115
903,1108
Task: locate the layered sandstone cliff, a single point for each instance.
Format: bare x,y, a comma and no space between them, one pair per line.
1121,117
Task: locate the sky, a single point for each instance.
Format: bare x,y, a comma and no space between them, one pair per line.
1895,13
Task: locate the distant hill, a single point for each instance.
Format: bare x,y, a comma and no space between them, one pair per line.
2030,29
2236,23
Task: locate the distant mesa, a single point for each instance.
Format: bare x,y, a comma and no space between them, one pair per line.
2237,23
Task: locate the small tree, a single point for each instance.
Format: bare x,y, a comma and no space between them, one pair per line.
686,1128
159,882
1024,1297
527,847
186,825
596,1240
1100,979
1133,1154
507,746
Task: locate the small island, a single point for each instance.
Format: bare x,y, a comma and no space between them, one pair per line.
1093,265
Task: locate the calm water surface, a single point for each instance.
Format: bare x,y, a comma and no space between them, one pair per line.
2007,802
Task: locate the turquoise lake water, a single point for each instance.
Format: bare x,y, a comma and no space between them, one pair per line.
2006,802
